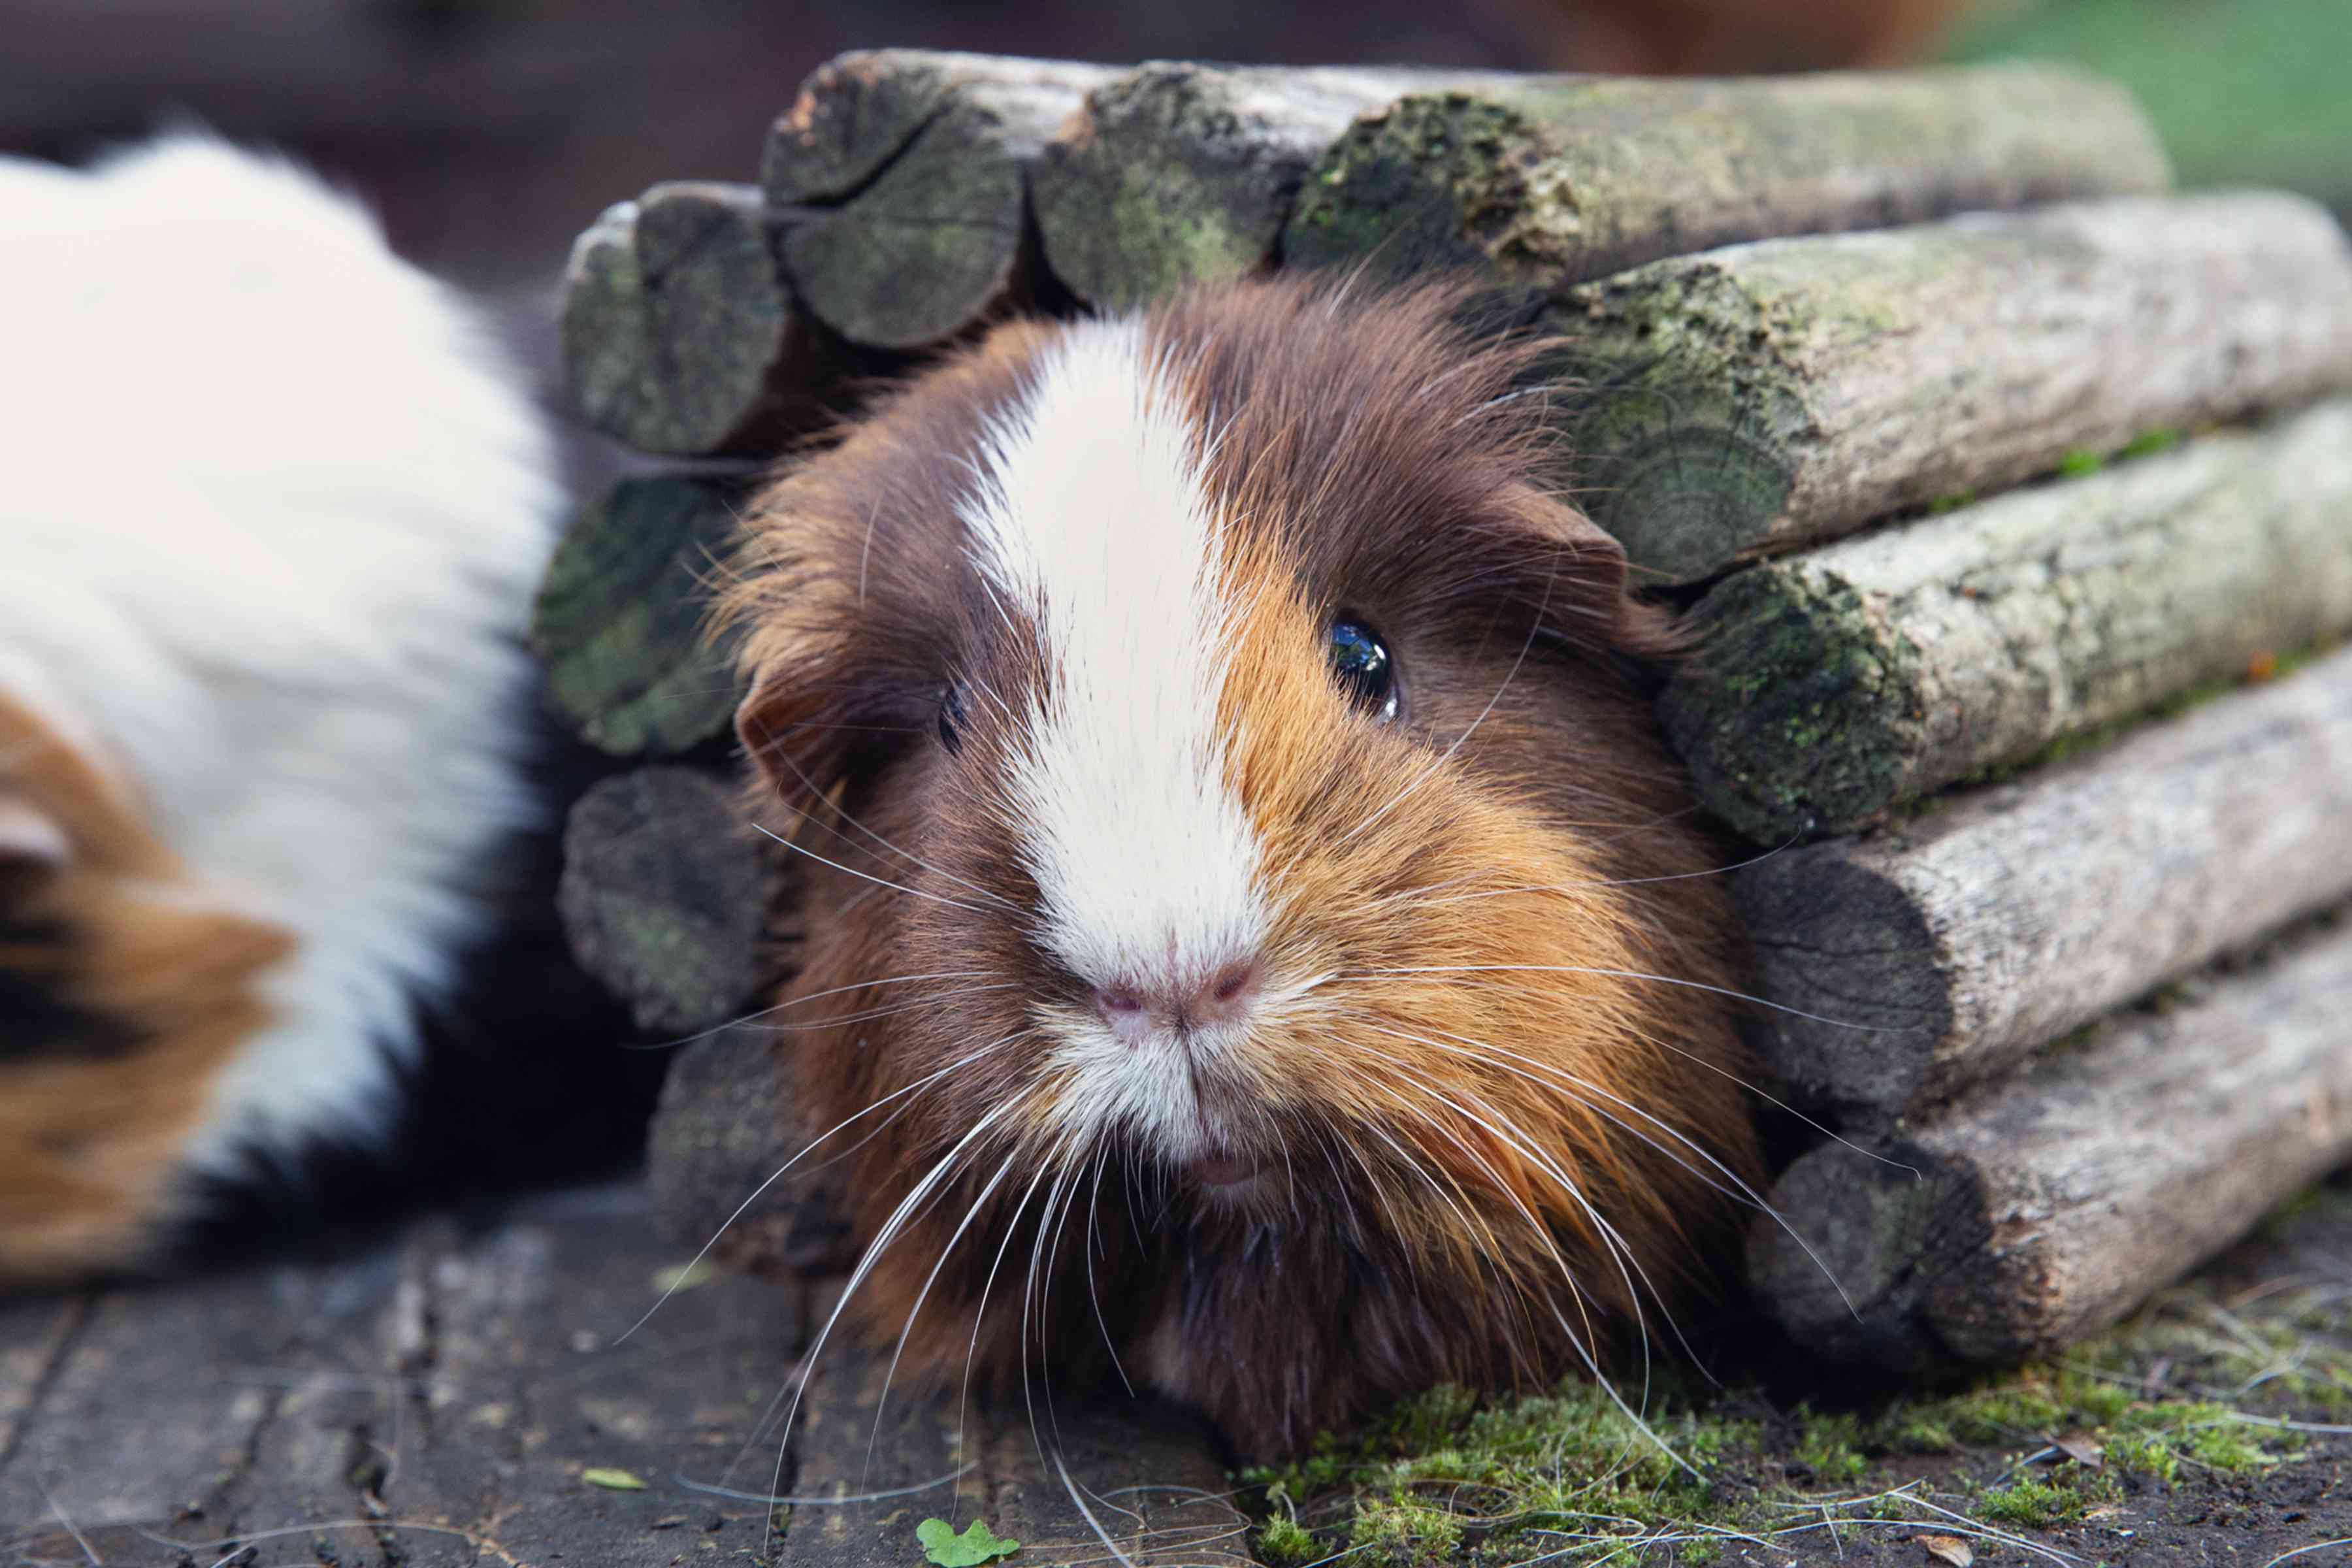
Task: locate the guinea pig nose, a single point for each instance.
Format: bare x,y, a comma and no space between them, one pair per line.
1133,1009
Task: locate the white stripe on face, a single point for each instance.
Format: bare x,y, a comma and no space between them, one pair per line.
1090,518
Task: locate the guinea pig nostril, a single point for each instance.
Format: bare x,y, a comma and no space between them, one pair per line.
1119,999
1233,981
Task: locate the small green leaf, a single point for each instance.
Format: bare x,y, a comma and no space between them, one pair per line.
613,1481
976,1546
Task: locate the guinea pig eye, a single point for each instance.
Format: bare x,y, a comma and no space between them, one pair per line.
1361,662
952,718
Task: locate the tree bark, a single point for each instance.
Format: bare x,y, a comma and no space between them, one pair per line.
679,335
1834,686
621,624
1763,396
1942,950
666,896
919,163
1179,173
1546,180
2046,1209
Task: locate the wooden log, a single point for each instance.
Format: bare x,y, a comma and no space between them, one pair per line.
1559,179
1833,686
621,622
679,335
2048,1208
725,1127
923,161
1180,173
666,896
1766,395
1946,947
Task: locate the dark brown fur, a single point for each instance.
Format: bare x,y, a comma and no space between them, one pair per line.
1482,1168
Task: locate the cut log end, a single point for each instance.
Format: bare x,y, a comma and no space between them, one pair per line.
1409,189
1801,709
665,898
725,1127
1163,179
928,250
1857,977
1856,1242
934,239
1687,501
679,333
620,622
851,116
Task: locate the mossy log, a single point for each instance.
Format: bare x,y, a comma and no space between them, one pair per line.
1762,396
622,622
905,176
679,334
1177,173
1545,180
1834,686
2046,1209
1938,951
666,896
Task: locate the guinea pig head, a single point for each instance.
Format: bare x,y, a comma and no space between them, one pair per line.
1254,933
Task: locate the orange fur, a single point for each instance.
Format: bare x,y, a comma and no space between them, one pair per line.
89,1145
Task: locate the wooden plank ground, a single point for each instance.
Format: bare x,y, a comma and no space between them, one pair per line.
436,1399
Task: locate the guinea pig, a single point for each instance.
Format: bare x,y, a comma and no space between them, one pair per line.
275,509
1256,942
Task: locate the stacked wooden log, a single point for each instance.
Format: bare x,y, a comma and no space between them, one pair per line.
2013,495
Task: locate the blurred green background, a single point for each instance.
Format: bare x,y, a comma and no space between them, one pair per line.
2244,91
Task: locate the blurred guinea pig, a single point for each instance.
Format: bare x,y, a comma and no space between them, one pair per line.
274,841
1255,938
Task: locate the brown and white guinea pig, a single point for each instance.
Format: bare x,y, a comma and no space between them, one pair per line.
273,511
1254,934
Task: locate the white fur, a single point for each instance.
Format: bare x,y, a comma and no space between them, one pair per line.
273,511
1090,521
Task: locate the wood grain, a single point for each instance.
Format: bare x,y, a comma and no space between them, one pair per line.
1759,398
2045,1208
1945,948
1834,686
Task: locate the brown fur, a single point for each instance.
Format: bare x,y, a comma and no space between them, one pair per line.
163,991
1489,1147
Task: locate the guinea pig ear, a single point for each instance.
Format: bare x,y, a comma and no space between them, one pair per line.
794,738
1578,575
34,850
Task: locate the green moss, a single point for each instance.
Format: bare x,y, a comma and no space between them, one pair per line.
2080,462
1283,1540
2034,1503
1801,710
1828,1448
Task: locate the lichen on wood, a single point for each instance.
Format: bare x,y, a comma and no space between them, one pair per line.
1543,180
666,896
1830,688
1761,396
1180,173
621,624
679,334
